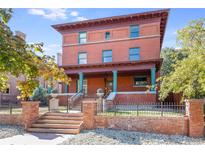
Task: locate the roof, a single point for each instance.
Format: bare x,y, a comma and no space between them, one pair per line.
163,14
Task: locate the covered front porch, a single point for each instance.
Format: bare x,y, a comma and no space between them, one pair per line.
130,77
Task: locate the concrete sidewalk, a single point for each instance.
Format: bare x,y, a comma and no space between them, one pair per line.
35,139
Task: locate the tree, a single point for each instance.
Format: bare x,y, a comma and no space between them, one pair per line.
170,57
19,58
188,74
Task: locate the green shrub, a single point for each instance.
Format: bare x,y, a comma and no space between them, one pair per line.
40,94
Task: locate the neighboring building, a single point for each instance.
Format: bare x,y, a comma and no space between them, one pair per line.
120,53
11,93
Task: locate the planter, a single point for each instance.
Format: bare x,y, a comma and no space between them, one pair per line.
30,112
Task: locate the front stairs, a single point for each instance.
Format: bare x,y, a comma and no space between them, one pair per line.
62,123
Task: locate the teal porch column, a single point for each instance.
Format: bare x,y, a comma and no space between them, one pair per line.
153,78
80,81
66,88
115,81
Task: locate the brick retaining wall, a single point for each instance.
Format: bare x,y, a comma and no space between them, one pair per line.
164,125
14,119
191,125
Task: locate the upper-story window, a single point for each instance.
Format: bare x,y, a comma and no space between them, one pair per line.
134,31
82,37
82,58
107,35
107,56
134,54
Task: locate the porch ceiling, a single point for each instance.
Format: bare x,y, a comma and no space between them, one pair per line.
129,66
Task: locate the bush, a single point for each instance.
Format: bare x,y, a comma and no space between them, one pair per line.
40,94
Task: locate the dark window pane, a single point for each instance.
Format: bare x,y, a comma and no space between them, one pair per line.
107,35
140,81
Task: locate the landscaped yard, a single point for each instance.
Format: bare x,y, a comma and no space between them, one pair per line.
108,136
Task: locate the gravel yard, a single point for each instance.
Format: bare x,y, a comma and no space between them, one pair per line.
108,136
10,130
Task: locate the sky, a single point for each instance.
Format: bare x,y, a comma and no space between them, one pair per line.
36,23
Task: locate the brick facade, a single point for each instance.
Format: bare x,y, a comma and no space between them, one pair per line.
135,98
151,27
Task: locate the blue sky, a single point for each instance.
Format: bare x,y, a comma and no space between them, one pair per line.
36,23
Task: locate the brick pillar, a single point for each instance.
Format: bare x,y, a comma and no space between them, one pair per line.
30,113
89,112
194,110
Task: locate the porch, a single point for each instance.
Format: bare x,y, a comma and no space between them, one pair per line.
125,77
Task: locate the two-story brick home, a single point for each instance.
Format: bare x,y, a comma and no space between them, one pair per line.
120,53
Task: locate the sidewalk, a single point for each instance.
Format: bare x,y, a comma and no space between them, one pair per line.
35,139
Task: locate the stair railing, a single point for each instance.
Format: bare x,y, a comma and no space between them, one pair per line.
75,98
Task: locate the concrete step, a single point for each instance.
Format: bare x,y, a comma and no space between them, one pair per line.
44,121
50,117
64,114
57,126
60,131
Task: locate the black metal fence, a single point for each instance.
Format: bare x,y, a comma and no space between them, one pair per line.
141,109
10,109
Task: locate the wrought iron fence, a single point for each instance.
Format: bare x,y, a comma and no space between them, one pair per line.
10,109
141,109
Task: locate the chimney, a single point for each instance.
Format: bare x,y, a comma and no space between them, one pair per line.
59,59
21,35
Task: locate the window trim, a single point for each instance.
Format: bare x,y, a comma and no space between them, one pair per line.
134,85
106,56
79,57
135,32
134,54
82,38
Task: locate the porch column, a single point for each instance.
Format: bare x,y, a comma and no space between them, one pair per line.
115,81
66,88
153,78
80,81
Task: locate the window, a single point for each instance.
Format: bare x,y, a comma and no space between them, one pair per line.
7,91
107,35
134,31
107,56
140,81
82,58
82,37
134,54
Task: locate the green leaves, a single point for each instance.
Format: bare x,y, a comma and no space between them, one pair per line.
187,75
19,58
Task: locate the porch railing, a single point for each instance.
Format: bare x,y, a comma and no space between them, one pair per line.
74,99
142,109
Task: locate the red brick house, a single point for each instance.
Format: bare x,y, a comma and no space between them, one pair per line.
120,54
